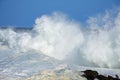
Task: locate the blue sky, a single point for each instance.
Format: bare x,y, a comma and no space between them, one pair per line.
22,13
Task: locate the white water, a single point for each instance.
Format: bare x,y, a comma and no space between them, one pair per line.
57,36
96,44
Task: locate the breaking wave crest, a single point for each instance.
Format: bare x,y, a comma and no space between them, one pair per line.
95,44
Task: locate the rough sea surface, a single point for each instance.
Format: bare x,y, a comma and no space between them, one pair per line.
59,48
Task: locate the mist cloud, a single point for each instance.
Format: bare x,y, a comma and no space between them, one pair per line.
98,44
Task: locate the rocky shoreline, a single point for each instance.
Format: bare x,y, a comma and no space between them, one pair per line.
92,75
72,75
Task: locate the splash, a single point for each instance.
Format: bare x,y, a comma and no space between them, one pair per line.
97,44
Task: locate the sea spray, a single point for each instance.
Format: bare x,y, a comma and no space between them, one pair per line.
61,38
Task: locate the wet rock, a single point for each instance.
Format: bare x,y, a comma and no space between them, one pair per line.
92,75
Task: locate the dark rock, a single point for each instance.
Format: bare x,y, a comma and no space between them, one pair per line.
91,75
101,77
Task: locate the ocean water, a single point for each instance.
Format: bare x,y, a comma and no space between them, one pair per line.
55,40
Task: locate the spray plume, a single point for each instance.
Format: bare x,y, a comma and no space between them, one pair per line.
55,35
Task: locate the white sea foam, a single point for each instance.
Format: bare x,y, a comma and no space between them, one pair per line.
96,44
